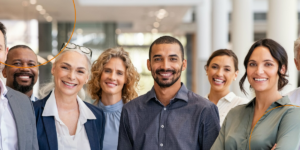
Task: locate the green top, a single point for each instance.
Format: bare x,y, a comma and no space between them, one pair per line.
280,125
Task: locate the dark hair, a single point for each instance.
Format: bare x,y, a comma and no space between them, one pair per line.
166,40
3,30
224,52
277,52
15,47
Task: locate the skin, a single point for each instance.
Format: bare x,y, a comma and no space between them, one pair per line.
297,61
112,81
220,73
166,65
66,71
3,51
21,57
262,66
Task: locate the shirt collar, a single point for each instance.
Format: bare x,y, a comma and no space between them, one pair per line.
32,98
229,97
283,101
182,94
50,109
3,88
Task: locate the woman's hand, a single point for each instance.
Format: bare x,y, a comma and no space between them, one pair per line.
273,148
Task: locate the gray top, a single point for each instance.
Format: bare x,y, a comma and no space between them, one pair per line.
280,125
112,116
189,122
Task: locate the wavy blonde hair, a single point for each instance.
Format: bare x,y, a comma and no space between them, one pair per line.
130,88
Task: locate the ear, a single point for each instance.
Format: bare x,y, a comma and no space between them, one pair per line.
184,64
236,74
297,64
52,69
4,72
148,64
283,69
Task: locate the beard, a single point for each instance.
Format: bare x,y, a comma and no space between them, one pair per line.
22,88
162,83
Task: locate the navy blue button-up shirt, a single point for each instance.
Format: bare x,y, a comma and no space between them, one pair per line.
189,122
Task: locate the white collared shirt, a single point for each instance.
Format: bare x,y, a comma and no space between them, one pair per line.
65,141
32,98
8,130
294,96
228,102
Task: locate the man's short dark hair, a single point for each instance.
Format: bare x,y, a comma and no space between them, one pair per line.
167,40
15,47
3,30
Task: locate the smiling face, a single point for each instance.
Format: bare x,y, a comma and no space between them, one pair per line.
21,79
166,64
221,73
3,51
70,73
262,70
113,77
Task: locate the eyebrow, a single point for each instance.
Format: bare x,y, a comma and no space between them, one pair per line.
224,66
267,60
117,69
22,60
71,66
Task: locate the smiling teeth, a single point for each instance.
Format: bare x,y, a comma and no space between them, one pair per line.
24,77
260,79
218,80
69,84
164,74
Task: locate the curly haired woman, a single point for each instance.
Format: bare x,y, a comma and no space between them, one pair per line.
113,83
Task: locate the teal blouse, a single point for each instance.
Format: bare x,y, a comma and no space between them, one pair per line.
280,125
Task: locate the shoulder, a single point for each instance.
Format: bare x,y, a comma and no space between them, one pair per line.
196,99
17,95
241,100
139,101
41,103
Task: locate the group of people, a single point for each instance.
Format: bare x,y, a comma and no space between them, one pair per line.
169,116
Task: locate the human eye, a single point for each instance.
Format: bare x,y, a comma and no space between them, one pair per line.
214,66
252,64
228,70
120,73
157,59
107,70
268,64
173,59
80,71
17,64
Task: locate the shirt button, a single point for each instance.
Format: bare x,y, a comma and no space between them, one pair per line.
161,144
165,108
162,126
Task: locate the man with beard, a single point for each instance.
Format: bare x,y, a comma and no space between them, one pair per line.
21,79
169,116
17,120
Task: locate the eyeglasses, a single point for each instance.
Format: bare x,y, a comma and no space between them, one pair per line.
74,46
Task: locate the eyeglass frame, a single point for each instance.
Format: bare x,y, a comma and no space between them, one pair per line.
79,47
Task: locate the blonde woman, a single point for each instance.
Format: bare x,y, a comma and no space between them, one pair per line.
113,83
63,120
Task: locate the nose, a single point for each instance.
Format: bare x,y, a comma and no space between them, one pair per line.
25,68
71,75
259,70
165,65
112,76
219,73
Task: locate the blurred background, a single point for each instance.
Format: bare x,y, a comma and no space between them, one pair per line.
201,25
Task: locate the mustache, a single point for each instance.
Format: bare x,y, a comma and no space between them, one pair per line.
163,70
24,74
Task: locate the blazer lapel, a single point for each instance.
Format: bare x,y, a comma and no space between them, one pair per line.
50,128
91,132
19,119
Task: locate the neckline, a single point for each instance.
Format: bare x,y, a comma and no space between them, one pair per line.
111,108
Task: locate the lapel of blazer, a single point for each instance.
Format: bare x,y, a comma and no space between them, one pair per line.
50,129
49,124
18,116
91,132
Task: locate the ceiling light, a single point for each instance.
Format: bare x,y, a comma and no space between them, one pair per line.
154,30
39,7
49,18
32,2
42,12
155,24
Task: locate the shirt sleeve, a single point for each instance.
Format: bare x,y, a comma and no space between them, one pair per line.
125,142
209,127
288,136
220,141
